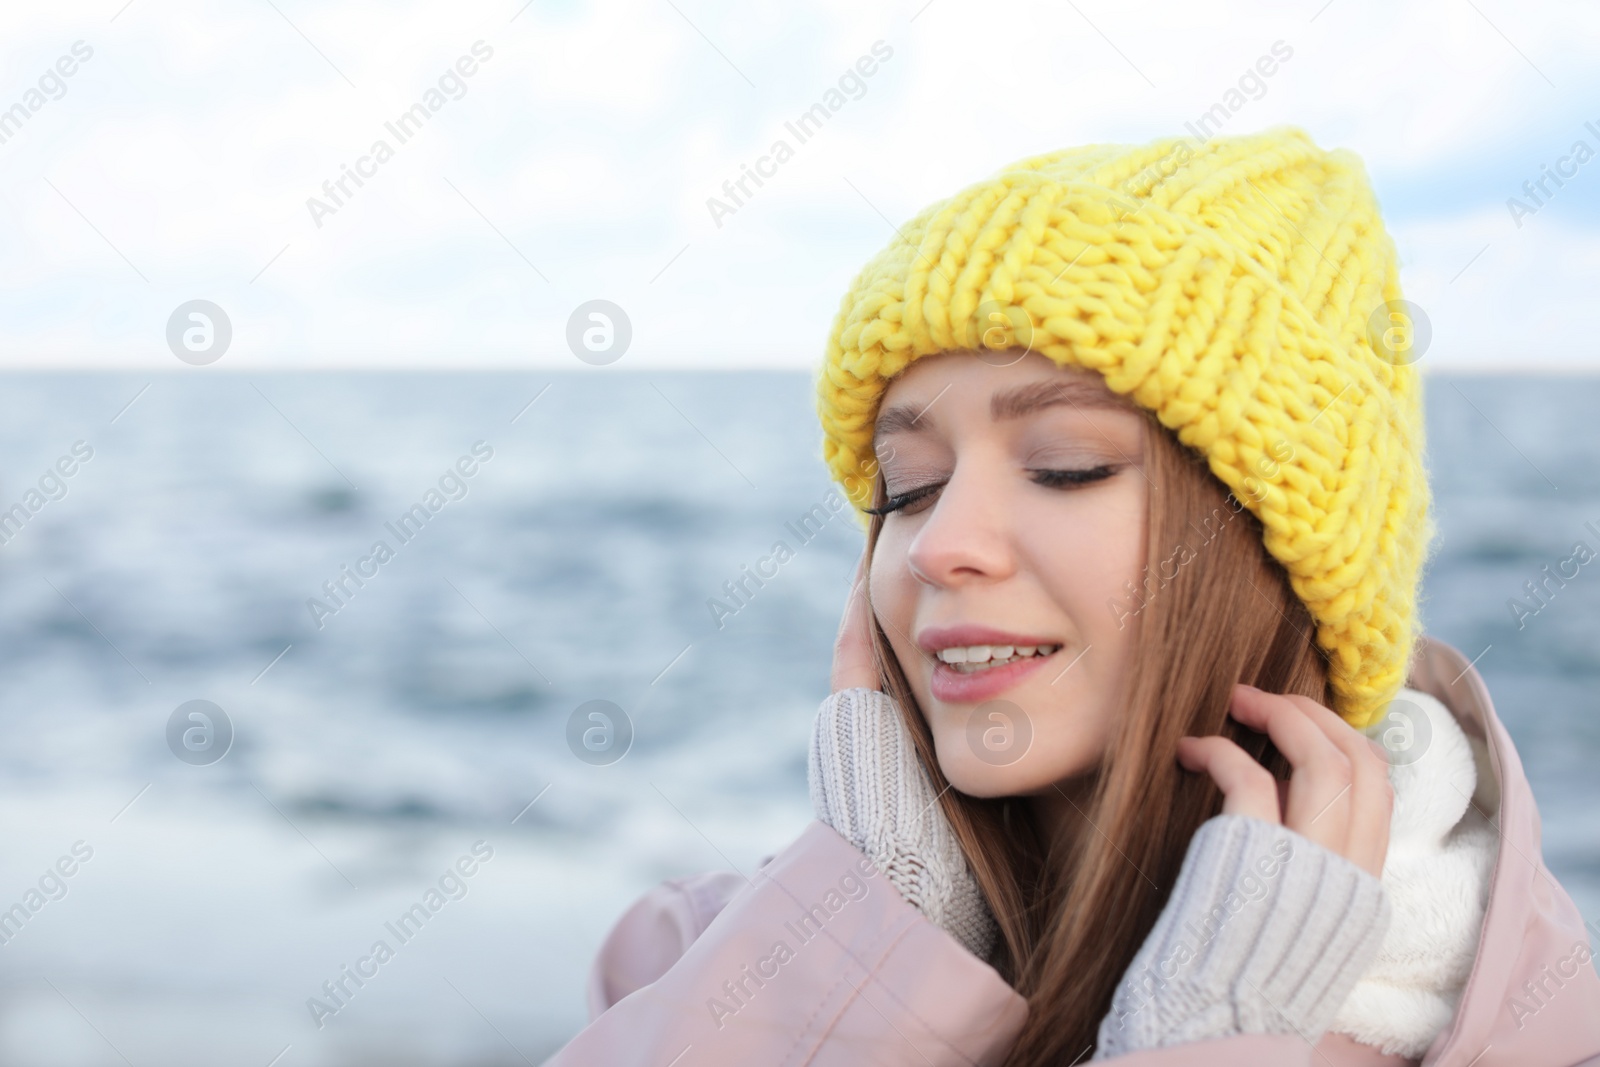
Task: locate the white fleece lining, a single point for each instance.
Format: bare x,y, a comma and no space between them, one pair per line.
1441,852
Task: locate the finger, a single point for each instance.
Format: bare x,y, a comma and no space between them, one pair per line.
1319,788
1317,794
1371,794
1247,787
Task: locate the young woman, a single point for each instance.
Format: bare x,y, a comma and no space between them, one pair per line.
1099,777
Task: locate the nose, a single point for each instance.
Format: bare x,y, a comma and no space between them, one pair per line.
966,537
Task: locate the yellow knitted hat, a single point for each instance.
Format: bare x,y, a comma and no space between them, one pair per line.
1244,290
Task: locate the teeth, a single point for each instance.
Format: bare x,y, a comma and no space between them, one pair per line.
972,658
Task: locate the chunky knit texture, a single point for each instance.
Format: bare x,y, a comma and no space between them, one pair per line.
867,784
1265,933
1228,288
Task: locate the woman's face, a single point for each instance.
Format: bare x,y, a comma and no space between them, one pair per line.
1020,498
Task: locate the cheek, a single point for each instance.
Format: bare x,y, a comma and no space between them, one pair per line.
1082,559
1087,569
894,593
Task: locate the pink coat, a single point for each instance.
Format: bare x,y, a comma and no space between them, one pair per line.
819,961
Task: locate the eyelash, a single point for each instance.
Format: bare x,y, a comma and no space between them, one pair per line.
1054,479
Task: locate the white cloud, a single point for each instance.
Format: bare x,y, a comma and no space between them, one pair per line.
592,139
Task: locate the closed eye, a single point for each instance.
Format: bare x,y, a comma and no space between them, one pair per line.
902,500
1060,479
1054,479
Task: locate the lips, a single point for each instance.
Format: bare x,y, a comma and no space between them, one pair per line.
953,686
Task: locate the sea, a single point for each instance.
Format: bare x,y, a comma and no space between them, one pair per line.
525,708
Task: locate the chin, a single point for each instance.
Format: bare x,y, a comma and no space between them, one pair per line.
982,782
1036,772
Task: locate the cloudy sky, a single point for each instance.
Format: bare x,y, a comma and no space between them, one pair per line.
575,162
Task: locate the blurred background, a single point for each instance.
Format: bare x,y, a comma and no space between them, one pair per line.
357,343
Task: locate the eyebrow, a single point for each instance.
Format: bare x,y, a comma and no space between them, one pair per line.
1012,404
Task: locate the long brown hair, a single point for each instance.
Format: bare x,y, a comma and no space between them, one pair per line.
1073,915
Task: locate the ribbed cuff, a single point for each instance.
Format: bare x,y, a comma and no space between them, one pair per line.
854,738
1266,932
867,784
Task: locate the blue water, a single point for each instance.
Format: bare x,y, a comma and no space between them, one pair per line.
431,707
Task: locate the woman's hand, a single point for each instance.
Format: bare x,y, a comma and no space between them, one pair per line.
1338,794
1282,951
853,665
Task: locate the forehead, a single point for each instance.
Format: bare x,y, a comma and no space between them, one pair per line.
1032,383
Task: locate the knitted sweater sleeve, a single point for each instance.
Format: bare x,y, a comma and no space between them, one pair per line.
1266,932
867,784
